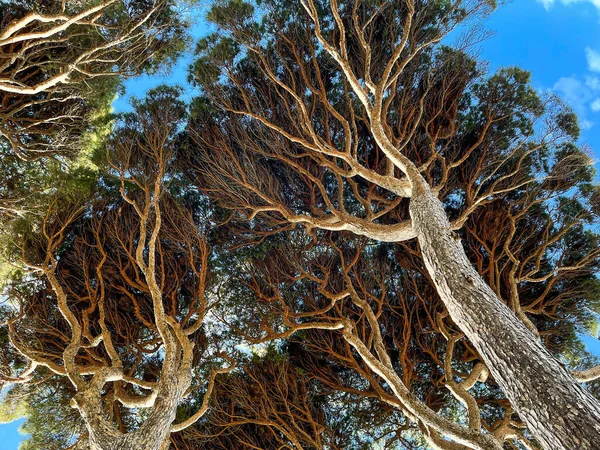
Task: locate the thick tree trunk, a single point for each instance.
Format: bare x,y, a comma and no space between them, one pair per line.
153,434
559,412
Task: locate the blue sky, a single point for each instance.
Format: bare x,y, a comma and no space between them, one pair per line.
10,437
558,41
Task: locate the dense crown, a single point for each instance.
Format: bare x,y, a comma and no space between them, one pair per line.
250,270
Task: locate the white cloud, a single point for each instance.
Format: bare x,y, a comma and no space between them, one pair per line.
593,59
574,92
547,3
581,93
550,3
578,95
592,82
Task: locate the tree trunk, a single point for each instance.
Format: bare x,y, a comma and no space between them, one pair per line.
559,412
153,434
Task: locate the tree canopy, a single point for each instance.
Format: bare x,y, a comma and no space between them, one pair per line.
353,237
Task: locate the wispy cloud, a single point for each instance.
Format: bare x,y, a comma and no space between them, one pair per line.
581,95
573,91
550,3
592,82
593,59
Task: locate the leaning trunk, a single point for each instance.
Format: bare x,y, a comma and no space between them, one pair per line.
559,412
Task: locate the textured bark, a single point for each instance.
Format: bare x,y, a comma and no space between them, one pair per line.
559,412
153,434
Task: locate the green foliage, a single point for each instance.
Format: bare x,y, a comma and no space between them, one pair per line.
522,146
568,122
457,103
231,14
11,410
218,52
51,423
